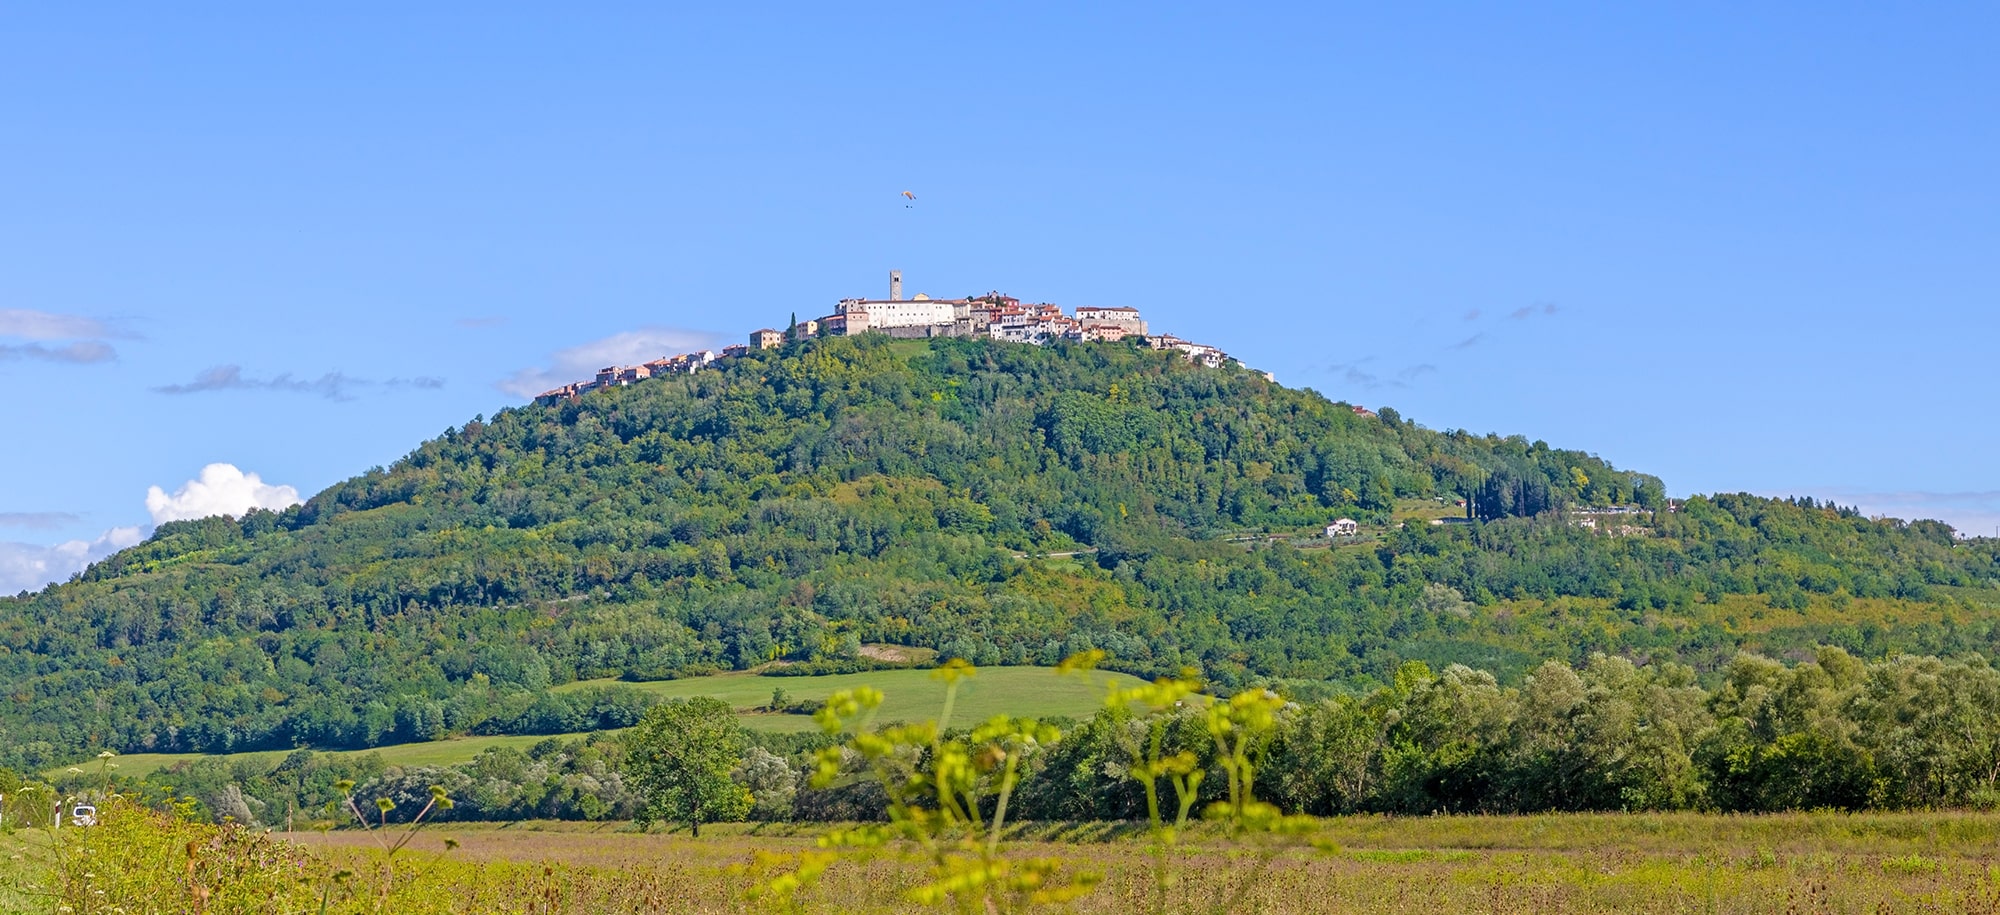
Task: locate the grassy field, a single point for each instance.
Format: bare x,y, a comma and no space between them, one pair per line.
1424,511
24,860
1587,863
909,694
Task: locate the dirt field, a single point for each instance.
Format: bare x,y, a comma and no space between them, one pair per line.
1589,863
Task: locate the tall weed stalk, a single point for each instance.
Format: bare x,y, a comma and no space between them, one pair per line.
948,796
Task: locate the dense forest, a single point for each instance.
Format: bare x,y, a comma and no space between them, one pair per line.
795,504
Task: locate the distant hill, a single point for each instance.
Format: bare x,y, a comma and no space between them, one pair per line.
792,504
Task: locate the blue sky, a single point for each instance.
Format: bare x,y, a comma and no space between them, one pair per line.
1742,248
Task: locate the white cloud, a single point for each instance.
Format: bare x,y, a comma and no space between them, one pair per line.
47,331
38,520
580,362
41,325
332,385
28,566
220,490
79,351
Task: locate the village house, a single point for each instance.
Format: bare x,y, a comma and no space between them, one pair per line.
987,309
918,316
917,312
1608,510
922,311
766,338
683,364
613,375
1035,324
1123,316
1588,516
550,397
845,324
620,375
1195,352
1345,527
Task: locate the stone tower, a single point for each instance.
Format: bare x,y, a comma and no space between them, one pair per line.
895,285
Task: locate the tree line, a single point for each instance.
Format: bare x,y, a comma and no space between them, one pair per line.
1833,732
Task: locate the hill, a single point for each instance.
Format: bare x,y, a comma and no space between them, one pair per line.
796,503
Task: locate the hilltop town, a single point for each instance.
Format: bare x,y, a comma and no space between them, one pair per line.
993,315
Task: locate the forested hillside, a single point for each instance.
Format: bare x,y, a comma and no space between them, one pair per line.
795,504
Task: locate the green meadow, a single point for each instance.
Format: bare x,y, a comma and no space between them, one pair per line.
908,695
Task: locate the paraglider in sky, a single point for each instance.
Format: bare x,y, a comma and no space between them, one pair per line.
908,199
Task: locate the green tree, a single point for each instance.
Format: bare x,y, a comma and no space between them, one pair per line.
681,755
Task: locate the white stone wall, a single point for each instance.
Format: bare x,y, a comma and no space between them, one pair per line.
908,313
